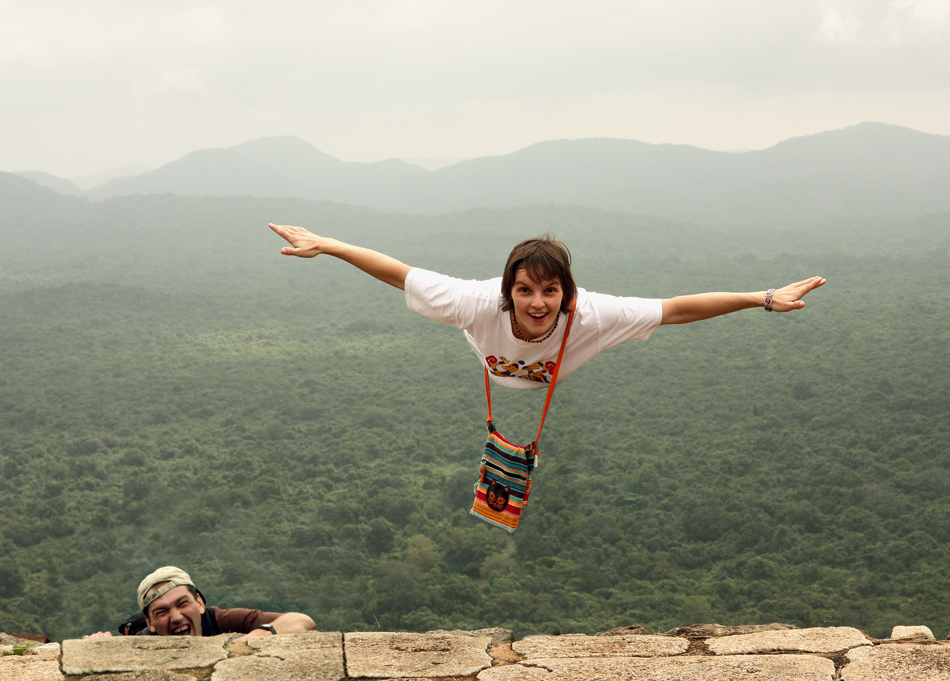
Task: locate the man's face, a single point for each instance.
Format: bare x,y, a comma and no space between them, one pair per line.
176,613
536,303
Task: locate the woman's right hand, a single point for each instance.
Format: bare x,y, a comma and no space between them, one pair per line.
303,243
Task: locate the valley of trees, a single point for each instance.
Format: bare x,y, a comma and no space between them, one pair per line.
174,391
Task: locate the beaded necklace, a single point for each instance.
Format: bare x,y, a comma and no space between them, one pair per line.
520,336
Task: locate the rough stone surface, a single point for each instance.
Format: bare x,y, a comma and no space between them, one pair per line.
311,656
382,655
629,629
772,654
816,640
137,676
141,653
14,640
40,664
694,631
903,662
901,633
293,644
579,645
498,635
691,668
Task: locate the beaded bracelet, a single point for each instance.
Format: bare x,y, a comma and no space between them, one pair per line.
768,299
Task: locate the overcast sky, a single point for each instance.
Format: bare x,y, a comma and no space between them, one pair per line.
88,85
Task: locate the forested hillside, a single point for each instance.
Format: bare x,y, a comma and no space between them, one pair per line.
173,390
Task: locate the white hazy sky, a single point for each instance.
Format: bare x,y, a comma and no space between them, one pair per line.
88,85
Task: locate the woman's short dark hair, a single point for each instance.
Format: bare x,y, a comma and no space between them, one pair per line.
543,257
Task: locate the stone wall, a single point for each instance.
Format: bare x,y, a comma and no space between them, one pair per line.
697,653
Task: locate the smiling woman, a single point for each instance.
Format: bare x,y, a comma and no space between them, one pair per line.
513,322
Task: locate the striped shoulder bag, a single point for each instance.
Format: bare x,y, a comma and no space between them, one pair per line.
504,479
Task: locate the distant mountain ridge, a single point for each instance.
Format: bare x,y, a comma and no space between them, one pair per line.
866,169
57,184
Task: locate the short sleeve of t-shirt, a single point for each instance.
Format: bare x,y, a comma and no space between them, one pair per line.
619,319
449,300
242,620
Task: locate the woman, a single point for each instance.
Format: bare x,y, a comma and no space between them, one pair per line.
516,323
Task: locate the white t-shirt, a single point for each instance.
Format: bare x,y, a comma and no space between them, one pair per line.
600,322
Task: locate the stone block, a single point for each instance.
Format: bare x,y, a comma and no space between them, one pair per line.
310,656
40,663
902,633
136,676
498,635
619,645
814,640
382,655
693,631
22,639
692,667
629,629
898,662
142,653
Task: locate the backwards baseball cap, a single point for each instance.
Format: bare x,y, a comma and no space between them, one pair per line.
170,574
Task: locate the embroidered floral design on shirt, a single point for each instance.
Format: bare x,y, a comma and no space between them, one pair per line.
501,366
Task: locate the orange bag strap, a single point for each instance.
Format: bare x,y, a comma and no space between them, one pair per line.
557,369
488,393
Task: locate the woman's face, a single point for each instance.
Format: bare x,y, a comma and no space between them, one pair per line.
536,303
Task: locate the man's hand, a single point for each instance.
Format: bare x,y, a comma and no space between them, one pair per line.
98,634
288,623
257,633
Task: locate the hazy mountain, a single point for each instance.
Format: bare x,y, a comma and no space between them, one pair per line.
22,195
867,169
89,181
432,164
271,167
38,224
57,184
211,172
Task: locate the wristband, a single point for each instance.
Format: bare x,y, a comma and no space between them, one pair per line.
269,627
768,299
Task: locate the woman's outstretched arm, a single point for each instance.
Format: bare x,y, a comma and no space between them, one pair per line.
305,244
692,308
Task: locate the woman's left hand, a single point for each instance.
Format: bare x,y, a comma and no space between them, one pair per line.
790,297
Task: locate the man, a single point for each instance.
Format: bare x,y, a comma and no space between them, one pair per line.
173,606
